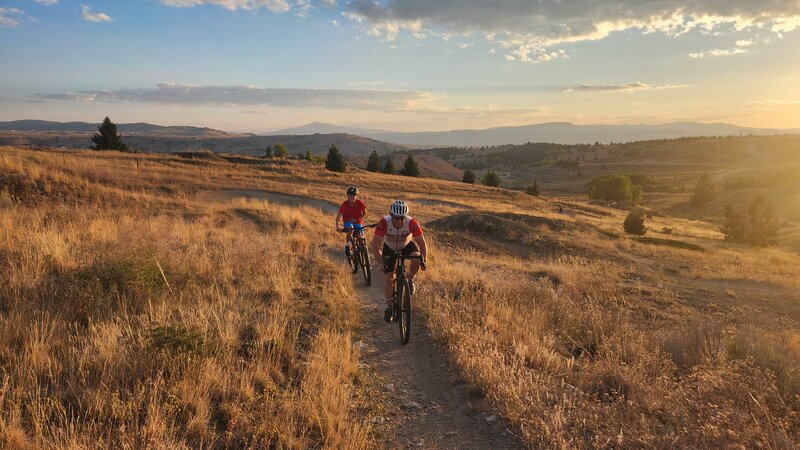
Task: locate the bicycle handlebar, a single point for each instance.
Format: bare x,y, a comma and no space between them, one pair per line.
345,230
402,257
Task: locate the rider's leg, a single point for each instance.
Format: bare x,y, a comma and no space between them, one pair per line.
388,279
387,296
349,242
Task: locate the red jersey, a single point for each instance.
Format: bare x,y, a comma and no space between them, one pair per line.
353,213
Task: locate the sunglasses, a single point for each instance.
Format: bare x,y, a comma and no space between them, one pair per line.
398,217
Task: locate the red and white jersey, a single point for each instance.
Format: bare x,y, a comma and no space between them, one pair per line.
397,238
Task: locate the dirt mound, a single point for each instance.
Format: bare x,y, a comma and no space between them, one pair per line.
504,233
504,226
205,155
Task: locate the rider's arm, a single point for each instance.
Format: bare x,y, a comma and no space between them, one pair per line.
377,239
363,210
338,216
416,232
376,247
423,246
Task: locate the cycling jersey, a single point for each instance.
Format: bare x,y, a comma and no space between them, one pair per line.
353,213
397,238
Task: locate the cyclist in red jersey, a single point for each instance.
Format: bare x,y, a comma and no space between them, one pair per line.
351,212
399,233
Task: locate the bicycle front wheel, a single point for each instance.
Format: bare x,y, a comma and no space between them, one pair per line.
365,266
404,311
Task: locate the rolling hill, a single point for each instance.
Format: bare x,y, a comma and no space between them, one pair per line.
555,132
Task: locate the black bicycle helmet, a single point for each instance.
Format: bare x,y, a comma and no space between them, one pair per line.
352,190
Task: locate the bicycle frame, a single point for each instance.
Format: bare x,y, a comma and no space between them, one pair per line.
401,295
359,252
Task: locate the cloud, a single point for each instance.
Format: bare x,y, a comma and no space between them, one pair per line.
630,87
784,102
717,52
275,6
46,2
533,28
5,17
744,43
87,14
246,95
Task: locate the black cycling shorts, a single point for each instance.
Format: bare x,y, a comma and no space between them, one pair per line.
390,263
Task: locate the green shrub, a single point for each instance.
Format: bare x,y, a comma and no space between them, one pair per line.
634,223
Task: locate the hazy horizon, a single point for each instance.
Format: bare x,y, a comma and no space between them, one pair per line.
265,65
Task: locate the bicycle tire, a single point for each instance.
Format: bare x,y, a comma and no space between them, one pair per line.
353,259
366,268
404,311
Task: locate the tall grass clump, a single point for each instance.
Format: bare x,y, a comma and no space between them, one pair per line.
562,351
138,320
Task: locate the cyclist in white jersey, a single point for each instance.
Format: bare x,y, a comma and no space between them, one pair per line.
399,233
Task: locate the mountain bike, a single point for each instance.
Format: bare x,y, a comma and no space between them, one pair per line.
359,252
401,304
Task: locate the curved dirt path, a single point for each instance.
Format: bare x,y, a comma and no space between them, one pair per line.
426,404
422,403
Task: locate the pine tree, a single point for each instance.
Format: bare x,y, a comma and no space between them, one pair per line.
268,152
389,166
410,167
280,151
491,179
634,223
733,228
107,138
374,162
703,191
308,156
469,177
533,189
334,162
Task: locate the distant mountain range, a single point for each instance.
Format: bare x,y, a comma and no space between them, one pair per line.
155,138
555,132
318,136
85,127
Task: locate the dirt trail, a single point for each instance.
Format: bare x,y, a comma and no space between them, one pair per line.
425,403
428,405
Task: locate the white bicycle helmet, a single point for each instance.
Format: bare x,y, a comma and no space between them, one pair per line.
399,208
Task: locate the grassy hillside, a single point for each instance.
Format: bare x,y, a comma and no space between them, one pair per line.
145,305
172,140
741,167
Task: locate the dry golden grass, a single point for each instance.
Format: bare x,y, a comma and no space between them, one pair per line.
138,319
580,335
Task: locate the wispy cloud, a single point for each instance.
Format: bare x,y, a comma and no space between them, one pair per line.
276,6
46,2
191,95
630,87
87,14
718,52
530,30
10,17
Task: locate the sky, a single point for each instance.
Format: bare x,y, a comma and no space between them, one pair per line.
403,65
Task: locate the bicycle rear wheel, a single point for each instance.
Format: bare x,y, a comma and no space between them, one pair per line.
366,269
404,311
